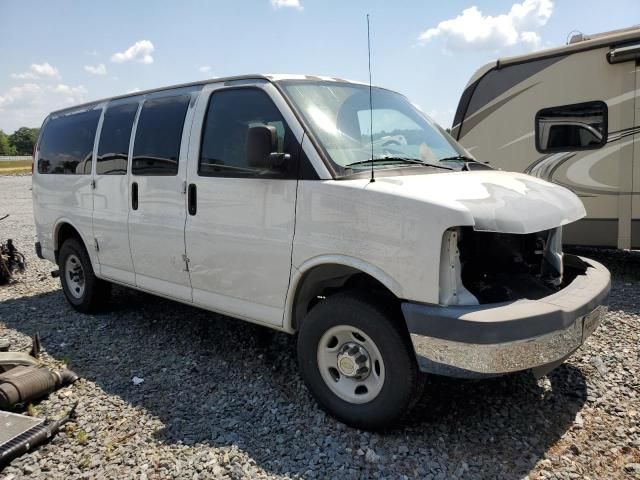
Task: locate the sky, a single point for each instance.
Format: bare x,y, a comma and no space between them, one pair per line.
60,53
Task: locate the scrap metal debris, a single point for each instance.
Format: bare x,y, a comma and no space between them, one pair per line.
22,379
20,434
11,260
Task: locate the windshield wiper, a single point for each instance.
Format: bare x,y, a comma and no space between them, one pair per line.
469,163
410,160
458,157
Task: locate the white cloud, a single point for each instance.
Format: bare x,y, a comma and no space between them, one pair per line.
139,52
37,71
99,69
29,103
286,4
133,90
472,30
204,69
24,76
45,70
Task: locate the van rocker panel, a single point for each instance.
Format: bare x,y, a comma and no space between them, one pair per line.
511,336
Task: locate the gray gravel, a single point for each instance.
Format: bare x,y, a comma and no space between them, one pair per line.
223,399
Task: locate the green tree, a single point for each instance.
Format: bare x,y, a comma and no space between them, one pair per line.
24,139
5,146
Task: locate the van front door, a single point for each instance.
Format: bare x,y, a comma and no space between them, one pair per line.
239,230
111,193
156,193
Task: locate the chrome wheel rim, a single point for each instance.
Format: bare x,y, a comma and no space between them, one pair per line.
350,364
74,276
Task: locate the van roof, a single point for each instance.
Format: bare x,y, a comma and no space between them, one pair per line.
271,77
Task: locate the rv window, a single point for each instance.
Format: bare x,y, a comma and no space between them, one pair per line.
224,135
67,144
113,148
158,136
568,128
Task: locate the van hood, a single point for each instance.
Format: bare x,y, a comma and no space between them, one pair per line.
497,201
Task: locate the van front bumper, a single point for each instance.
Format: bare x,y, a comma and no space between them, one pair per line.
494,339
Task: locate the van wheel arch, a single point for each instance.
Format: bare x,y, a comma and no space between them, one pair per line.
325,280
65,231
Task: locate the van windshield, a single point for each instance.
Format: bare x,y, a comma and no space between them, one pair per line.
340,118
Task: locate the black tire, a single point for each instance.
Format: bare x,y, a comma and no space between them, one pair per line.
402,380
96,292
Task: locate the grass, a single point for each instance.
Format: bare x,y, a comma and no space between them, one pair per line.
32,411
15,167
81,437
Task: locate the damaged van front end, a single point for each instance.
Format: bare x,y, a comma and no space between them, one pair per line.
510,299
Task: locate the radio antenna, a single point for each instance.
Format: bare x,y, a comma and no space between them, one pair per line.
370,98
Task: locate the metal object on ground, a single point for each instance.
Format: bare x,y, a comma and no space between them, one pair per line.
26,433
9,360
13,425
21,384
11,260
36,346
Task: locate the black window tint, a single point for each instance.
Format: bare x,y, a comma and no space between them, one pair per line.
567,128
157,146
223,150
113,147
67,144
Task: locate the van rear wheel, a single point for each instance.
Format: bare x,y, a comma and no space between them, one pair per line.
357,361
83,290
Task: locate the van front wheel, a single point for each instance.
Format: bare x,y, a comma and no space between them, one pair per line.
83,290
357,362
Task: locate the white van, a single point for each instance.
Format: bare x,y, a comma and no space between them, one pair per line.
257,197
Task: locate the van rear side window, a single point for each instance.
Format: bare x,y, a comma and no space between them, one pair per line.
66,147
115,135
567,128
158,135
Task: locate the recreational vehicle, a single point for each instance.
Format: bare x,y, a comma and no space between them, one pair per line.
289,202
570,115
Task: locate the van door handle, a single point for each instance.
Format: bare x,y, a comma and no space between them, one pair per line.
192,199
134,195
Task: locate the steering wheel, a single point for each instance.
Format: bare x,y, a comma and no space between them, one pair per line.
389,140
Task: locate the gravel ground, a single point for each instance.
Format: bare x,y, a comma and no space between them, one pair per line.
223,399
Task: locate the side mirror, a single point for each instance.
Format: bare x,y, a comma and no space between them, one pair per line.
262,146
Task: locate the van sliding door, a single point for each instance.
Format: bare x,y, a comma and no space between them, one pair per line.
110,194
156,192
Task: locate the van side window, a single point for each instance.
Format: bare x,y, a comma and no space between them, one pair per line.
223,151
113,148
66,147
582,126
156,150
